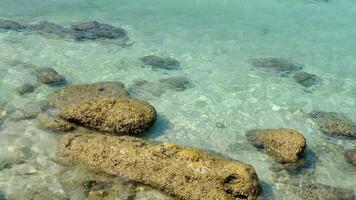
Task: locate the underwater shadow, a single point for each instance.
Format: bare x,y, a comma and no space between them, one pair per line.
161,125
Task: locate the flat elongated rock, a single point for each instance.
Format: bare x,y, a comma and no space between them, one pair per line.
47,75
85,92
334,124
49,28
184,172
94,30
178,83
306,79
120,115
156,62
350,156
285,145
11,25
275,64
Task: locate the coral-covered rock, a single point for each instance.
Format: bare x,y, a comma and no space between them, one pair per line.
285,145
184,172
120,115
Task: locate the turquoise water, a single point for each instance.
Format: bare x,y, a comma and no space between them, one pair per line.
213,40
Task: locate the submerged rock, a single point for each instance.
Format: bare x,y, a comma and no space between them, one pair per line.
25,88
334,124
28,111
178,83
275,64
285,145
11,25
49,76
94,30
78,93
306,79
141,88
180,171
48,28
54,123
120,115
324,192
156,62
350,156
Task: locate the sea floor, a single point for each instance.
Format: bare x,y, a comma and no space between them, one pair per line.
227,96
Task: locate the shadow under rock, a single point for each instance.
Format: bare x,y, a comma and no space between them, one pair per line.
161,125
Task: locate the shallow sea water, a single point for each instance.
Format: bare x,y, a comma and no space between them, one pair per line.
213,40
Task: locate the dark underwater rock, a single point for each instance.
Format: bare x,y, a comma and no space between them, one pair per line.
156,62
350,156
11,25
85,92
334,124
119,115
49,76
48,28
178,83
324,192
25,89
94,30
306,79
275,64
184,172
54,123
285,145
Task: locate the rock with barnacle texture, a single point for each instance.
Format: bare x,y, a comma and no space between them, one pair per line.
334,124
285,145
119,115
11,25
49,76
350,156
77,93
275,64
306,79
184,172
94,30
156,62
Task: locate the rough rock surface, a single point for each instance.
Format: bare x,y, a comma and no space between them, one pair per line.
306,79
78,93
285,145
350,156
334,124
323,192
275,64
156,62
178,83
48,75
54,123
120,115
94,30
180,171
25,88
11,25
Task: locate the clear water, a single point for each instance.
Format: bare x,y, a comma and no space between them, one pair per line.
213,40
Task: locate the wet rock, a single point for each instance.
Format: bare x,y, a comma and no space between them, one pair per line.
181,171
78,93
48,28
285,145
25,89
49,76
11,25
54,123
306,79
350,156
120,115
275,64
94,30
324,192
141,88
156,62
178,83
334,124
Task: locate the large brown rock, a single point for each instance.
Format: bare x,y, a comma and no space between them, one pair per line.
334,124
180,171
121,115
77,93
285,145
